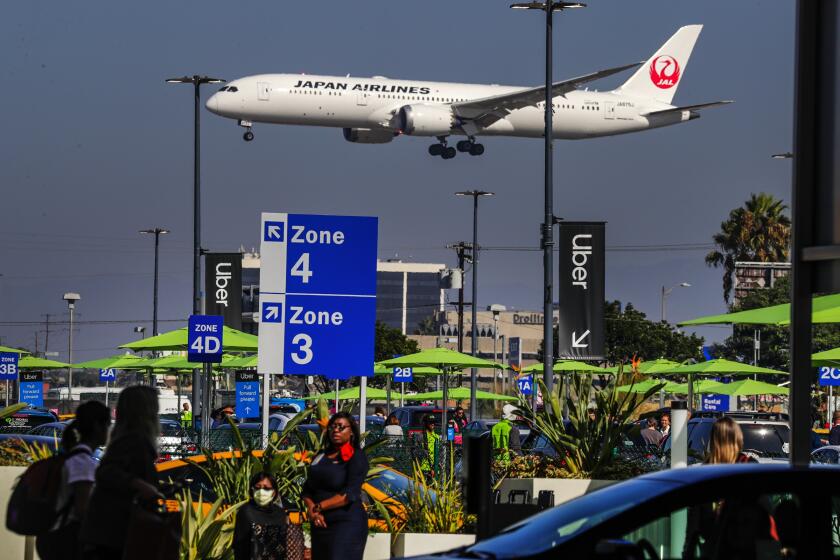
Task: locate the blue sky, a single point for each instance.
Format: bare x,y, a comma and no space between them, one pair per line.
95,146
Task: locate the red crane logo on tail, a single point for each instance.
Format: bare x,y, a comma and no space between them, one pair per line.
664,71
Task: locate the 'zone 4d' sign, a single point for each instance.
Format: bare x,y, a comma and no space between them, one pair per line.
317,294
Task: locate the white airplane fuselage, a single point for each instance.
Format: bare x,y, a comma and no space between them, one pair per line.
373,103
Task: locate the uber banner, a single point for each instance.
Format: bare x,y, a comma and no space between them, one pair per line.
223,287
581,291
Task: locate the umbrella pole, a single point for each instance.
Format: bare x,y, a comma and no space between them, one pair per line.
336,394
106,393
444,426
362,404
690,393
402,395
178,391
388,395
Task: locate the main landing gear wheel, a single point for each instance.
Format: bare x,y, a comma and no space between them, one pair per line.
476,149
436,149
448,153
248,136
464,145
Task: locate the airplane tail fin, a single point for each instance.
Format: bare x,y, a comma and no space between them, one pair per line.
659,77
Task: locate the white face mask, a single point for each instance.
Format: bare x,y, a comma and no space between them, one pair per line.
263,496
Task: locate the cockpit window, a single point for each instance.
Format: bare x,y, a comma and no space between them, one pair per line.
232,88
223,89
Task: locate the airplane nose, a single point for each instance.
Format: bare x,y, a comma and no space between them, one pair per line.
213,103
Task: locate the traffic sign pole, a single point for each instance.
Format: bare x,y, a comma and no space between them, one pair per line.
266,400
362,404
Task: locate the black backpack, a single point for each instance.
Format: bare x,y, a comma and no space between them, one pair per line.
33,507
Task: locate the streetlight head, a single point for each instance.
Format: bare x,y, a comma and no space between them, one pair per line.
194,80
785,155
71,298
155,231
685,285
555,6
474,193
139,329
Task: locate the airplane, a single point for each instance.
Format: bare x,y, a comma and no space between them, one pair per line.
376,110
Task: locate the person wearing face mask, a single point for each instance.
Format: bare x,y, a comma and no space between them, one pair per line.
333,493
262,530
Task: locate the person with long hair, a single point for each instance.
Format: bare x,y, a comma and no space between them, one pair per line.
263,530
726,443
85,433
333,493
127,472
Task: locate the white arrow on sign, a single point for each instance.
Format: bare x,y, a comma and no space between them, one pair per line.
274,232
247,410
576,341
273,312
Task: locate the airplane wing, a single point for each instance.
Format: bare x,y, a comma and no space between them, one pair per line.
688,108
488,110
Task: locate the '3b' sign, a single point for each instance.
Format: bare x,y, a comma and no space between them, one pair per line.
204,343
8,366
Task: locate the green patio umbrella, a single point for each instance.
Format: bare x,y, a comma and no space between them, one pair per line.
829,358
646,385
744,387
445,359
13,350
700,386
178,362
719,366
232,341
647,368
120,361
460,394
31,362
826,309
239,362
351,394
379,369
566,366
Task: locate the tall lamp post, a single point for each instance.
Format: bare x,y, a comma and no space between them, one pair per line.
196,81
475,194
665,293
157,232
549,7
71,298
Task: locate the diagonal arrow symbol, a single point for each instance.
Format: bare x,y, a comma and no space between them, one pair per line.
272,312
274,232
576,341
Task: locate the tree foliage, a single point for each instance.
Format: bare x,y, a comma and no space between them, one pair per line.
759,231
391,342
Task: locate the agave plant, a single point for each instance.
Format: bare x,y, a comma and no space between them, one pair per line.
434,506
206,534
586,445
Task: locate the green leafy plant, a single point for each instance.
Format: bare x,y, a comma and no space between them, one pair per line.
587,446
206,534
434,506
531,466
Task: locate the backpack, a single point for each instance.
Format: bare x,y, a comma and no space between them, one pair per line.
33,507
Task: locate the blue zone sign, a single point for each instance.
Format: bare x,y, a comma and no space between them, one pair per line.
317,295
526,385
403,375
204,343
829,376
32,388
247,395
106,375
8,366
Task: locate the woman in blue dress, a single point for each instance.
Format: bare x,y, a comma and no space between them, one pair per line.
332,493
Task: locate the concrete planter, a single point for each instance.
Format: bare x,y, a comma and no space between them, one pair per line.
413,544
564,489
378,546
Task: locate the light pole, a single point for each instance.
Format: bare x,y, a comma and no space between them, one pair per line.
475,194
665,294
71,298
142,332
549,7
157,232
495,308
196,82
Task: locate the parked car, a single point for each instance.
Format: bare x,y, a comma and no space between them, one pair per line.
50,429
756,511
828,455
766,435
174,442
26,419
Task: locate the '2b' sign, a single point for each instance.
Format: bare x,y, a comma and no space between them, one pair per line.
317,295
829,376
403,374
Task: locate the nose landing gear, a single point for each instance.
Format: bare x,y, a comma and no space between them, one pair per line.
248,136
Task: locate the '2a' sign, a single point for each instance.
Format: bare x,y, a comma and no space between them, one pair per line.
581,292
204,343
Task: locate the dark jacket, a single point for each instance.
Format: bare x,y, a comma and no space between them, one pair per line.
107,519
834,436
265,533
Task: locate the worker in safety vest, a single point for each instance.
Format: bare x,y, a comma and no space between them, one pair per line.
431,441
186,416
506,436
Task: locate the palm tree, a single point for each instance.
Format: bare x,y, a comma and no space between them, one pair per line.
759,231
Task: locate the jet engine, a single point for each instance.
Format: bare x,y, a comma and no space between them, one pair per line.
368,136
425,120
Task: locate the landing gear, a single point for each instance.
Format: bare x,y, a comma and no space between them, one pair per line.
436,149
248,136
448,153
470,147
441,149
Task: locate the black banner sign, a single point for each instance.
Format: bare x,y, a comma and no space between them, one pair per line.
223,287
581,291
246,376
32,376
